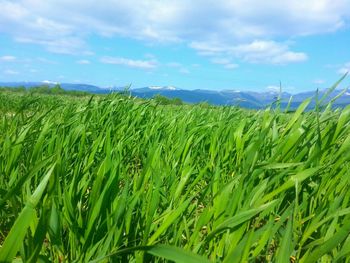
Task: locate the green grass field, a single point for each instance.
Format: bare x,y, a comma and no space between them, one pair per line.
117,179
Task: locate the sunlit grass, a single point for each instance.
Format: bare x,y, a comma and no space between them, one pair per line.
114,179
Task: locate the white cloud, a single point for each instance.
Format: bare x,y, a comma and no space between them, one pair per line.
149,56
257,51
49,82
208,48
276,89
287,57
45,61
63,45
273,88
7,58
226,62
10,72
344,69
221,61
231,66
83,62
142,64
63,26
184,71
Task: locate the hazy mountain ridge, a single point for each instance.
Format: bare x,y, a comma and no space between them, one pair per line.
247,99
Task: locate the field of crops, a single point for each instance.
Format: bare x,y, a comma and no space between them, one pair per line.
116,179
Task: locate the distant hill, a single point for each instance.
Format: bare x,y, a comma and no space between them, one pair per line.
247,99
66,86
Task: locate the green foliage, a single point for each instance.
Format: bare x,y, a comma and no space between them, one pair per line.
118,179
204,105
43,89
162,100
57,89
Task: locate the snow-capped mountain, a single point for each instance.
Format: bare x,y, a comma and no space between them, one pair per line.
247,99
162,88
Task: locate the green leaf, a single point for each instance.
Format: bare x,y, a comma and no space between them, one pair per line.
239,219
169,220
329,244
301,176
14,239
285,249
176,254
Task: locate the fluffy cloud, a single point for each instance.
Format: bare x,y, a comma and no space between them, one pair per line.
273,88
142,64
83,62
258,51
225,62
277,89
231,66
7,58
62,26
10,72
268,52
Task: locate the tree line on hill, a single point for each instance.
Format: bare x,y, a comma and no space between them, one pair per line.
58,90
45,89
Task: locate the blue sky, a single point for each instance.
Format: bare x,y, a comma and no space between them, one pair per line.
241,45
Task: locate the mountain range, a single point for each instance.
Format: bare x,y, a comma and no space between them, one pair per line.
247,99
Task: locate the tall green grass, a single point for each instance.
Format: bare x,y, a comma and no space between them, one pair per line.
115,179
